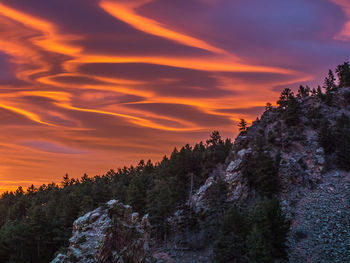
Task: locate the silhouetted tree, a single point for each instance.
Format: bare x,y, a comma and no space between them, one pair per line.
268,106
303,91
285,97
242,126
65,181
329,82
343,73
215,139
319,93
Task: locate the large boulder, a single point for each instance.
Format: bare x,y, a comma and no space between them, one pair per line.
111,233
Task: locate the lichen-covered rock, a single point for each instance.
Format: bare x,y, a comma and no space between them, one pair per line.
109,234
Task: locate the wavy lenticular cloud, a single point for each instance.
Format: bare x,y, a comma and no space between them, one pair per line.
27,114
127,13
91,85
50,39
207,64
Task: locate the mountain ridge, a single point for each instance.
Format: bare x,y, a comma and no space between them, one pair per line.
279,193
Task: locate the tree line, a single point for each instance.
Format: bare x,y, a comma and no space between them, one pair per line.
36,223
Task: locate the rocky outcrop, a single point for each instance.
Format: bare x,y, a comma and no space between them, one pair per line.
314,197
301,157
237,186
111,233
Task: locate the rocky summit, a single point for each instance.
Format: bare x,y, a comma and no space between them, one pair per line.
110,233
314,186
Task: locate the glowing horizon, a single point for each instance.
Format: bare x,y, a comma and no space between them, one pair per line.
93,85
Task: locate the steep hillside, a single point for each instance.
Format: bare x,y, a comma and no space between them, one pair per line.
312,160
35,224
279,193
283,193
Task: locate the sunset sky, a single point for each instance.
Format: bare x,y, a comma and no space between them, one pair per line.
90,85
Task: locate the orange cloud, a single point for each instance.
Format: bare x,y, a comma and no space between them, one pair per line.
344,34
114,119
25,113
206,64
50,39
127,13
133,119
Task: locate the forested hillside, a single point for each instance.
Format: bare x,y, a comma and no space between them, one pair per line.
38,222
279,193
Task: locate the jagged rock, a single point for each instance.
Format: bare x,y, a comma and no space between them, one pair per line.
316,201
232,176
109,234
198,201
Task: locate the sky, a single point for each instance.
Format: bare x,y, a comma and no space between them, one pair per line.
92,85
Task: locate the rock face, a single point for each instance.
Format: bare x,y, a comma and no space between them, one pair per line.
314,197
112,233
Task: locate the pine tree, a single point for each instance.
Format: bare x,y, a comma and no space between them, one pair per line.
259,251
215,139
242,126
261,173
267,180
286,95
268,106
290,107
319,93
342,137
303,91
292,113
138,187
330,87
268,238
329,82
65,181
231,245
160,203
217,194
326,137
343,73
